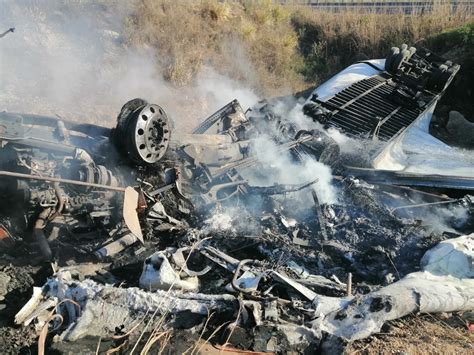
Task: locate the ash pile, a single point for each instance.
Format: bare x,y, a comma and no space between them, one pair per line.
285,228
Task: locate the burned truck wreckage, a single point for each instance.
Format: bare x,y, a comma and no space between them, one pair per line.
258,231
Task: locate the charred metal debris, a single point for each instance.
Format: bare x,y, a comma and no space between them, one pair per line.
225,243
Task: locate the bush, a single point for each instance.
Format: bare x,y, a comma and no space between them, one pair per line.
461,36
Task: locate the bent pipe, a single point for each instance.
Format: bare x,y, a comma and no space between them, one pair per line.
40,236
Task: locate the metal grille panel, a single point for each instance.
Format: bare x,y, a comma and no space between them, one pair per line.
367,108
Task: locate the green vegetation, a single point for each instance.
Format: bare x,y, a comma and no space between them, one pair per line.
461,36
458,45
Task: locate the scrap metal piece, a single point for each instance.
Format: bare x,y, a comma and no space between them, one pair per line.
280,189
320,215
247,282
64,181
229,115
426,204
319,281
158,213
221,258
218,192
310,295
180,261
30,306
130,216
162,189
388,177
116,246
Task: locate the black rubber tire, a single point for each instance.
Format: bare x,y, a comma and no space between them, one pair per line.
438,78
118,133
394,51
128,108
399,59
445,78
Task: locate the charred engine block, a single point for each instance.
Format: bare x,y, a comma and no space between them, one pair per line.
45,147
44,163
48,147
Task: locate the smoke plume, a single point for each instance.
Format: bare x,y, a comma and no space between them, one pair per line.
70,58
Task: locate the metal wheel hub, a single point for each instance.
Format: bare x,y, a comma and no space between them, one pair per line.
143,132
151,133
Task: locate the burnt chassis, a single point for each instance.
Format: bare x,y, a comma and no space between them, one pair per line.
208,171
92,165
55,170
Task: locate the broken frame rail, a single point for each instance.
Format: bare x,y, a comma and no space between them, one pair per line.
387,177
216,117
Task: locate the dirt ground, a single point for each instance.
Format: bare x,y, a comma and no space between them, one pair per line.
419,334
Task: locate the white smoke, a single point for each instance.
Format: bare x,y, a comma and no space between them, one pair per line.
220,89
280,168
69,58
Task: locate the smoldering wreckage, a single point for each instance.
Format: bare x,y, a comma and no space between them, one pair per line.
160,239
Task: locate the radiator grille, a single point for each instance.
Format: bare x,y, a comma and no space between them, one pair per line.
367,108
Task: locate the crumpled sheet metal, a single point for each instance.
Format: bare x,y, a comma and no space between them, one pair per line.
115,306
158,213
444,285
453,257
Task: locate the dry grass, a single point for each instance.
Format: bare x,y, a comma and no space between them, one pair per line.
273,48
417,335
248,41
330,41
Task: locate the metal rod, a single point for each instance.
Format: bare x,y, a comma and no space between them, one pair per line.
245,163
116,246
64,181
319,214
349,285
162,189
425,204
360,96
442,197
